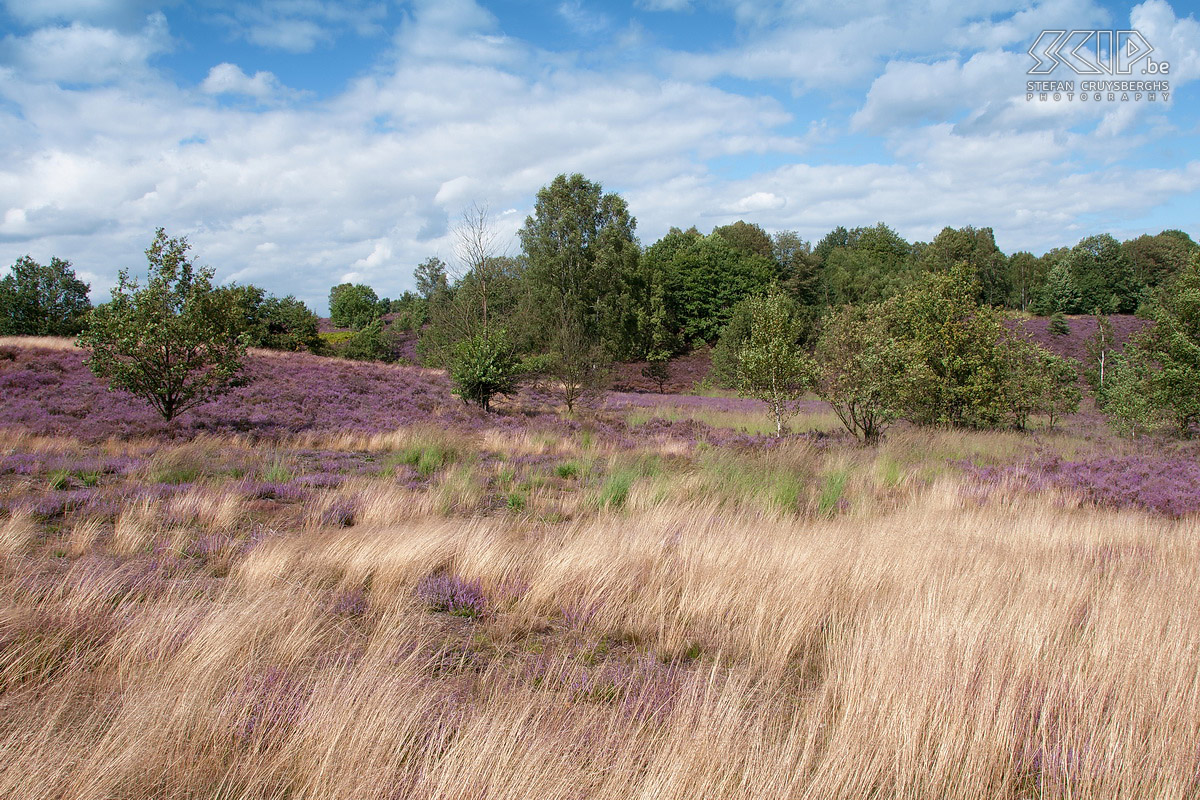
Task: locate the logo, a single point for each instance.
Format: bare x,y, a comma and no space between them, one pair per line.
1094,53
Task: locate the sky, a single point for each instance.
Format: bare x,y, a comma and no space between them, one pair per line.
299,144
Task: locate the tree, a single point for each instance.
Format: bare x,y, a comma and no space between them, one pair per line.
976,247
1158,375
737,332
580,368
747,237
431,278
705,277
1026,274
801,270
959,344
658,370
483,367
772,366
1058,325
865,372
475,244
582,252
175,342
1156,259
37,300
1101,347
1037,381
353,306
1058,292
1102,274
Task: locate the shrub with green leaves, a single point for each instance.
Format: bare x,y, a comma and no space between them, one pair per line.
959,345
175,342
1157,379
864,372
484,366
772,365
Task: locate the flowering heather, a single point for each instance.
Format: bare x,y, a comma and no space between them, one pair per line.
52,392
452,593
1074,344
1168,486
352,603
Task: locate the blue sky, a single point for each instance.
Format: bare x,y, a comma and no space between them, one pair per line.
302,143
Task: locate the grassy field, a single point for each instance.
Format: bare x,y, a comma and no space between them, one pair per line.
547,608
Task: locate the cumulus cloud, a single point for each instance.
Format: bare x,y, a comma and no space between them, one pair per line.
228,78
82,53
300,26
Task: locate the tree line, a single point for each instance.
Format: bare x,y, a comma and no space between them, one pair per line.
583,292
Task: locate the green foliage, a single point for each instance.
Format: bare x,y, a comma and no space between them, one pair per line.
1026,274
864,265
582,254
1127,401
1101,348
353,305
1058,293
1037,381
272,322
772,365
175,342
1156,378
975,247
1101,276
798,265
657,370
37,300
578,367
368,344
430,276
1157,259
1058,325
958,344
737,332
484,366
747,237
864,372
705,277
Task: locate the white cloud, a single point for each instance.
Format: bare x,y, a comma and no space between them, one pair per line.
1175,40
80,53
581,19
228,78
759,201
300,26
108,12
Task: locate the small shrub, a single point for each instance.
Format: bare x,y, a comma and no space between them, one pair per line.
452,594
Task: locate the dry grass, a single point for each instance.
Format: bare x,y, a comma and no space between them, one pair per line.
692,640
44,342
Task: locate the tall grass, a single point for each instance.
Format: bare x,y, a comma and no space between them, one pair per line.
720,626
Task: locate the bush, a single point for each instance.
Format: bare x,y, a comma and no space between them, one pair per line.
175,343
864,372
772,366
484,366
958,344
1155,380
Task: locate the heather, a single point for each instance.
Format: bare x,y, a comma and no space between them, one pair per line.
375,591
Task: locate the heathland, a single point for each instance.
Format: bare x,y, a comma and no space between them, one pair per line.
338,581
